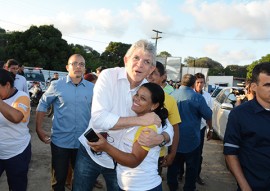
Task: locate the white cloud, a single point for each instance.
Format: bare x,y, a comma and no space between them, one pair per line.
229,57
114,23
248,19
151,16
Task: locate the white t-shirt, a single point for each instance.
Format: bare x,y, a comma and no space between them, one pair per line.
21,84
112,99
15,137
144,176
209,102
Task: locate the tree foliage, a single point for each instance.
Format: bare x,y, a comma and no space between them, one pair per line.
114,54
215,68
251,66
164,54
236,71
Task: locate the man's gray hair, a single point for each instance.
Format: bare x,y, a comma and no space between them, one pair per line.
188,80
144,45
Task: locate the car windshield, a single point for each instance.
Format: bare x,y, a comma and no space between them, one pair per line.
34,77
215,92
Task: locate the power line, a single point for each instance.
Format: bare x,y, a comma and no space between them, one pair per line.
215,38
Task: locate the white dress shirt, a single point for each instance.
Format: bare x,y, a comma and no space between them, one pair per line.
21,84
112,99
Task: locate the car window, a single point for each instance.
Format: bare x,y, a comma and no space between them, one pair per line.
231,99
223,95
34,77
215,92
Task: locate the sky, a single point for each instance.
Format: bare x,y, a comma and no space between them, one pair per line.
227,31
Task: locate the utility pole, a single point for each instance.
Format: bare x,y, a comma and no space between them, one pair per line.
157,37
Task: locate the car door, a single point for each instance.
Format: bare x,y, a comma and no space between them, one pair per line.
220,116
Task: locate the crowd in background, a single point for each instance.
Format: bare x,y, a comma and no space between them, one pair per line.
125,122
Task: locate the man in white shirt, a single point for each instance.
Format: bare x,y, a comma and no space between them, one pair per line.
199,85
20,83
111,112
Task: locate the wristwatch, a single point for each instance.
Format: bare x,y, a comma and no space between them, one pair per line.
164,142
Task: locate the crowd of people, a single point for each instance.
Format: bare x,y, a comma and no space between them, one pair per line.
140,122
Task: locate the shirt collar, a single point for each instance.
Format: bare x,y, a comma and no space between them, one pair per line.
83,81
256,106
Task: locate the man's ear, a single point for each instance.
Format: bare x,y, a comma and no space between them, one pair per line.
253,86
125,60
67,68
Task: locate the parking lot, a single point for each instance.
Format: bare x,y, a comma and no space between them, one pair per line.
214,171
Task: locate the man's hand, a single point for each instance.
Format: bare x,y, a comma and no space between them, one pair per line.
150,119
149,138
168,160
209,135
44,137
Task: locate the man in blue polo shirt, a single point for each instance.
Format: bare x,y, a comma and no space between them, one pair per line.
247,136
192,108
71,97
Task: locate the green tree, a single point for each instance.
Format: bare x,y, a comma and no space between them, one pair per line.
114,54
164,54
46,48
215,68
253,64
236,71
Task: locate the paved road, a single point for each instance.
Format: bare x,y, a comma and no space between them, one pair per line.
214,171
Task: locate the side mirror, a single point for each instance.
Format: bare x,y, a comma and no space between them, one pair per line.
227,106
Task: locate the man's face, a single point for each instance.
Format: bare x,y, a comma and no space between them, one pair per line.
155,77
138,66
76,66
56,76
14,69
199,84
262,90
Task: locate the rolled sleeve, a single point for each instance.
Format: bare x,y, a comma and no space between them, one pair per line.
103,115
169,129
47,98
232,135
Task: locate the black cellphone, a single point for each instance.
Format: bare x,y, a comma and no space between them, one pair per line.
91,136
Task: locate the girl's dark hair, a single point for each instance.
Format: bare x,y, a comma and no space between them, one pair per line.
158,96
5,77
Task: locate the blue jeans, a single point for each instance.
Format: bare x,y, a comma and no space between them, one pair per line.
86,172
61,158
192,161
201,150
16,169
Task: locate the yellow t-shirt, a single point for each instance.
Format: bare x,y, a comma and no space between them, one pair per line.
139,131
173,116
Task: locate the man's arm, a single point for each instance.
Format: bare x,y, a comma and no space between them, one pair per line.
235,168
150,138
145,120
43,136
210,129
171,155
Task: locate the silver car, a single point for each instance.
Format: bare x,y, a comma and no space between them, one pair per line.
222,105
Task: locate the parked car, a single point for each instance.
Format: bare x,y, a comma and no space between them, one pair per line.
216,92
222,105
32,75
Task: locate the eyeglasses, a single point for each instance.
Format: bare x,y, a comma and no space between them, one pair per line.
76,64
